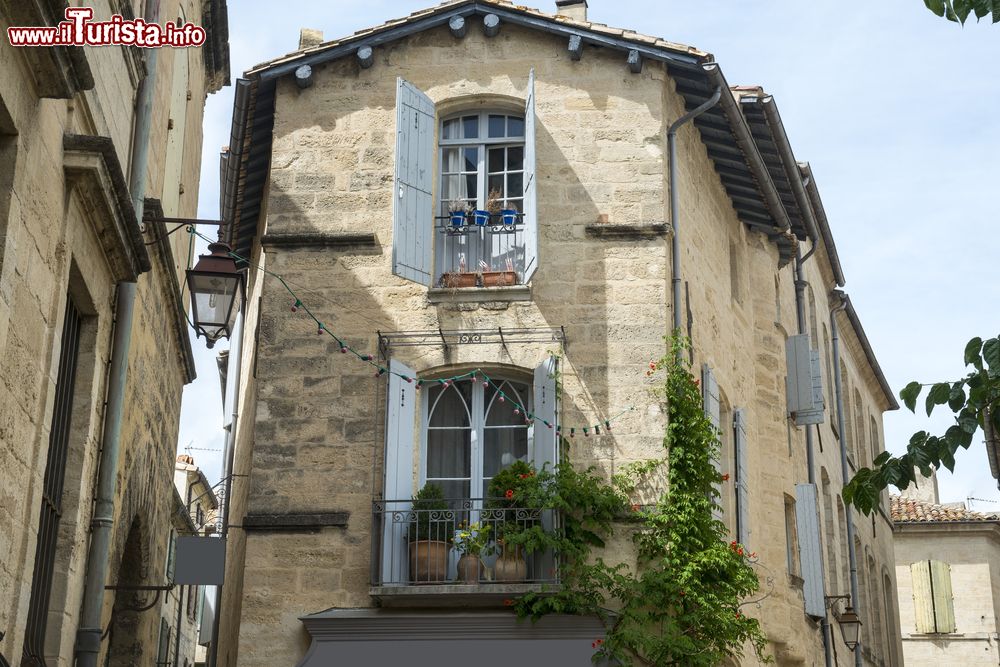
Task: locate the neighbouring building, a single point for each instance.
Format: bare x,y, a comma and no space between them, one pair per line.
97,146
347,161
948,569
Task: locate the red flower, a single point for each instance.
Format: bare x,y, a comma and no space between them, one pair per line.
509,494
740,551
636,508
697,382
733,544
682,593
508,602
738,616
652,365
596,643
725,477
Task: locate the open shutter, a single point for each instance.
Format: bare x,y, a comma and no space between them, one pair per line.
401,404
810,554
923,599
944,609
546,446
710,398
742,478
413,206
530,185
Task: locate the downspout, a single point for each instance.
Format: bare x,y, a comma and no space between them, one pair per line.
839,298
229,452
675,242
88,636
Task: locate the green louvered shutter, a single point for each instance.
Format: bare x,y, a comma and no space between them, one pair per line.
944,609
923,600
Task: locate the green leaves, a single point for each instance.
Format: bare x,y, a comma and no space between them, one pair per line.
959,10
938,395
972,400
909,395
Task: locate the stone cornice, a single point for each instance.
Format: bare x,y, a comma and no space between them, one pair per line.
92,168
58,71
152,212
292,521
320,240
640,232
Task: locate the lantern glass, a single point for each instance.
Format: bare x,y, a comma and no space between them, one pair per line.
850,626
216,290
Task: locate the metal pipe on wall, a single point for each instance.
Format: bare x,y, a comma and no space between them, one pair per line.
675,244
840,299
88,636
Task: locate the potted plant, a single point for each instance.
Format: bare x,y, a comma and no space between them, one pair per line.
508,216
513,501
500,278
460,278
473,543
457,212
430,534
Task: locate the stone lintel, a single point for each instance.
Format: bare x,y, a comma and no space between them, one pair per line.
303,521
627,232
59,72
318,240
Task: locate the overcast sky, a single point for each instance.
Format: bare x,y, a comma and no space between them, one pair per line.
896,110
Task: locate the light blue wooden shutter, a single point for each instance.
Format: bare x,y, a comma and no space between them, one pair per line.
710,398
530,185
413,206
742,478
400,411
810,554
545,443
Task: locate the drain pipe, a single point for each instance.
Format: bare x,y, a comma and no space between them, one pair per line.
840,300
675,241
88,636
229,451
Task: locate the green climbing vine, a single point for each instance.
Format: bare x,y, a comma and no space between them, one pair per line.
680,601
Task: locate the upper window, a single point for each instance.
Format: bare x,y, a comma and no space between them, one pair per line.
464,206
479,231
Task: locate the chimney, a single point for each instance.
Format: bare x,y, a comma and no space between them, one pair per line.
926,489
309,37
574,9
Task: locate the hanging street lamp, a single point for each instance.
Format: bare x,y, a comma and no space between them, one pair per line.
217,292
850,627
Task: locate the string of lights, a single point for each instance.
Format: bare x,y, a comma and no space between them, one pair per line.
476,375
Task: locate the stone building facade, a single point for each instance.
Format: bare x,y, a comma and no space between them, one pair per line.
947,564
69,232
347,158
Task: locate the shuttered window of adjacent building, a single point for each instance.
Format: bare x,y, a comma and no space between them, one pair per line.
710,398
933,603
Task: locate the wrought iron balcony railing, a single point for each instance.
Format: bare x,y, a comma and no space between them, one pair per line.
413,547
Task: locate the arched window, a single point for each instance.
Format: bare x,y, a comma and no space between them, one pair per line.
472,432
848,434
482,168
861,448
829,532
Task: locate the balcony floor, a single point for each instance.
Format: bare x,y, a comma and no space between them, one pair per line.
488,594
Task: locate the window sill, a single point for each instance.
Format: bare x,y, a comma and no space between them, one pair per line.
450,595
478,294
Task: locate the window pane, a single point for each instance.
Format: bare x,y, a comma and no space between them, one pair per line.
471,159
495,160
515,126
496,183
453,489
502,414
450,406
472,193
515,183
451,129
496,127
502,447
470,125
448,453
451,163
451,188
515,158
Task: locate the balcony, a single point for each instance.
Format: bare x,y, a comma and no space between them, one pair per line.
425,572
487,255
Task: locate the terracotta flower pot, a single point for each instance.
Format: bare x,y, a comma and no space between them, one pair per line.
470,569
499,278
428,561
510,568
459,279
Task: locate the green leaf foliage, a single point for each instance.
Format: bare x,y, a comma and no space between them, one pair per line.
960,10
681,602
972,399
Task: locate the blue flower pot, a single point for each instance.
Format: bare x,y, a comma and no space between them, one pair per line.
457,218
481,218
508,217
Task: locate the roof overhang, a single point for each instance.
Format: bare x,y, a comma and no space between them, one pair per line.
859,332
